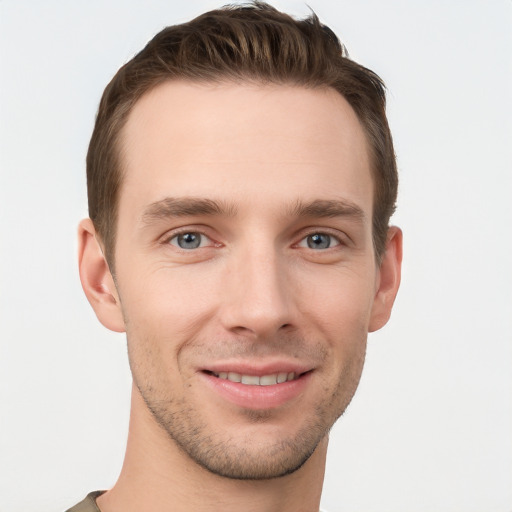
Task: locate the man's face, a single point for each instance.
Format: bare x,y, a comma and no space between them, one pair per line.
245,268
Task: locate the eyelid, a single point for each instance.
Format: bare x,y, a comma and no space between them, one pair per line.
335,242
336,235
203,242
169,235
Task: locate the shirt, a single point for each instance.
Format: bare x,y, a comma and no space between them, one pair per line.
89,503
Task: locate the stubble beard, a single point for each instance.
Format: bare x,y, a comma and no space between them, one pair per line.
234,459
242,458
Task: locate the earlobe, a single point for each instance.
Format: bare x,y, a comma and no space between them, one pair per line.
97,281
389,275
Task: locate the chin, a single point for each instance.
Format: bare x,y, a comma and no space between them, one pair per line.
264,451
251,459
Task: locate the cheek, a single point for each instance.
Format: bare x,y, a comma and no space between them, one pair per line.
340,314
341,301
168,305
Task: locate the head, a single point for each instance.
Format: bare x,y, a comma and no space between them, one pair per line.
255,44
241,178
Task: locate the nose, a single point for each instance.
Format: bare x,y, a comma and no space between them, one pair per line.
258,299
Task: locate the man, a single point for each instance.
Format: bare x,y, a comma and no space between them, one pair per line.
241,177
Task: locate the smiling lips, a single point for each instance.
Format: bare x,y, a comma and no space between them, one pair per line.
268,390
255,380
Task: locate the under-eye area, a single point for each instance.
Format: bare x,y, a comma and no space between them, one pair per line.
258,380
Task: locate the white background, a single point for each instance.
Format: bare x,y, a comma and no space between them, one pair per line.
430,428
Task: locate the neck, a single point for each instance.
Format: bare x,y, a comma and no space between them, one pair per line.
157,476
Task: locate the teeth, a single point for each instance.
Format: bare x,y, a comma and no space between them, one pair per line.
268,380
234,377
251,380
254,380
282,377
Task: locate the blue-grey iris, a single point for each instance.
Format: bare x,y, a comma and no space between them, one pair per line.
319,241
189,240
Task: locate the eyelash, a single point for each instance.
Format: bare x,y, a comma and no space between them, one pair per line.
176,235
332,238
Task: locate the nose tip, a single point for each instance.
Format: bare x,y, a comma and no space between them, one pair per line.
259,330
257,299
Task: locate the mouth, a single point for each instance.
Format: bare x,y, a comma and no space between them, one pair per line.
257,380
258,385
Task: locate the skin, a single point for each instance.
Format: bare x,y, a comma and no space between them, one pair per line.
274,183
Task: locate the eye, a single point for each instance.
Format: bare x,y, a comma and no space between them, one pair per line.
319,241
190,240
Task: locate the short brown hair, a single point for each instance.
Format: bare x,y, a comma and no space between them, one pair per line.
252,42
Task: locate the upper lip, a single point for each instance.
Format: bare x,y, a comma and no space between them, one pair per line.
257,368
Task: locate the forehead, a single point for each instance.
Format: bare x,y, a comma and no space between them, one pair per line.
244,141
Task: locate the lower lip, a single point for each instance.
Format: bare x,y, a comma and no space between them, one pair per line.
257,397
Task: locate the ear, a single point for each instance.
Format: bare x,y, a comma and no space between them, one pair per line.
97,281
388,280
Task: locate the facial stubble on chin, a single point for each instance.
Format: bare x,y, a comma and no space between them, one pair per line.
225,457
230,458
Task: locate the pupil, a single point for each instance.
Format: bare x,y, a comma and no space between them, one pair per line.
319,241
189,240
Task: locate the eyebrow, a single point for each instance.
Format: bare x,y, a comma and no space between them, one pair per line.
191,206
185,207
327,208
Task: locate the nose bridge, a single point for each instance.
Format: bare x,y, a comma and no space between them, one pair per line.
257,294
